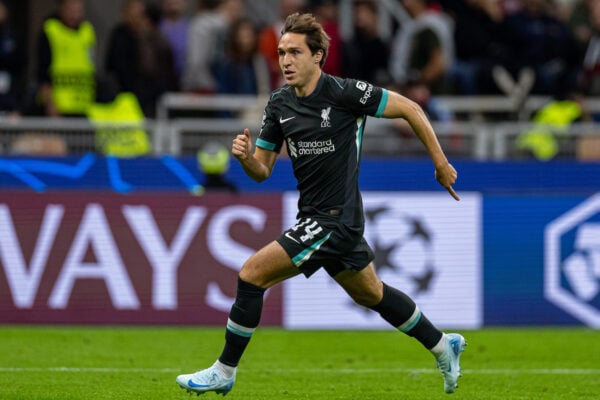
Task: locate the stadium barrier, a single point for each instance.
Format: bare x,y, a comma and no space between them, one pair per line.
486,130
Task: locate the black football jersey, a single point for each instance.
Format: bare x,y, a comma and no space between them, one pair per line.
323,134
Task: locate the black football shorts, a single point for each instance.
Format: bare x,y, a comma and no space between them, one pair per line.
316,242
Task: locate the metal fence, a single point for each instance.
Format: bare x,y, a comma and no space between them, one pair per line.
487,129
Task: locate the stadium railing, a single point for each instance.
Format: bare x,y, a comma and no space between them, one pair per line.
486,128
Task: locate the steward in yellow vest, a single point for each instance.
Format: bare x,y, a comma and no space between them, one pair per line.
128,140
552,119
66,66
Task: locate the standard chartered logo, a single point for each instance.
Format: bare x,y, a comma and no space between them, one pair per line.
314,147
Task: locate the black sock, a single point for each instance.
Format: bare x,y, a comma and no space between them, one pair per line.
243,320
403,314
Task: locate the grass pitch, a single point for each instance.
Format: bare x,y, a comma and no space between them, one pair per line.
64,363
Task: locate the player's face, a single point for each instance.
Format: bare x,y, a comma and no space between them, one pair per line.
299,66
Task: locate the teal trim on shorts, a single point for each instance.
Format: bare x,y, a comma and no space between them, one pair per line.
382,103
307,253
265,145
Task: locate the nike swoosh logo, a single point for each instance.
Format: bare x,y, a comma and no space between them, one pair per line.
283,121
195,385
287,235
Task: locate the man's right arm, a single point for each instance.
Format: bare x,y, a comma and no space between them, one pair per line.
257,166
398,106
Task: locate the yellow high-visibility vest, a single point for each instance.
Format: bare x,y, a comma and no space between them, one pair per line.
72,67
553,118
120,141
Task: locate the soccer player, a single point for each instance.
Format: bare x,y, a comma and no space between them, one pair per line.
321,119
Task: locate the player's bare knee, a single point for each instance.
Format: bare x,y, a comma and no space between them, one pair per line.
261,276
250,274
366,298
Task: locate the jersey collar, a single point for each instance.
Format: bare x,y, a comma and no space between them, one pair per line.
315,92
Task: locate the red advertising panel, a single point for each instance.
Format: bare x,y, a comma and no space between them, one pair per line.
96,258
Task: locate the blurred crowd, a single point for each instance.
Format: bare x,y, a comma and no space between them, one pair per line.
453,47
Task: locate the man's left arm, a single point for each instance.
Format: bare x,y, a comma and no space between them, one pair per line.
398,106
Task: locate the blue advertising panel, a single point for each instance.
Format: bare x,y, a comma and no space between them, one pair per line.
514,263
169,173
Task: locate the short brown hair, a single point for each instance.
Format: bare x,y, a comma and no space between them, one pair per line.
306,24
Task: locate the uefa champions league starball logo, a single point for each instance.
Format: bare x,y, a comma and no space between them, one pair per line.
423,245
403,247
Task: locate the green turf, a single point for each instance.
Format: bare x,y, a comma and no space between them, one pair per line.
63,363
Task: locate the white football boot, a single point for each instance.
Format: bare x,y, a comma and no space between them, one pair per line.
449,361
211,379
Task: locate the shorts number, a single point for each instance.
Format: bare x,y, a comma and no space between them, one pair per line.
311,229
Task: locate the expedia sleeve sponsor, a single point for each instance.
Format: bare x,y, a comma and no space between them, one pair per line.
367,95
362,97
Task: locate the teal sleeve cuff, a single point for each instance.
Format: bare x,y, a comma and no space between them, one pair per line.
263,144
382,103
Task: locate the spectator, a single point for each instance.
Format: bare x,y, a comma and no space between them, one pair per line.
423,47
326,13
269,38
478,46
139,58
243,69
540,41
511,6
367,55
590,78
65,61
174,25
564,8
122,49
156,72
206,42
12,58
580,23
